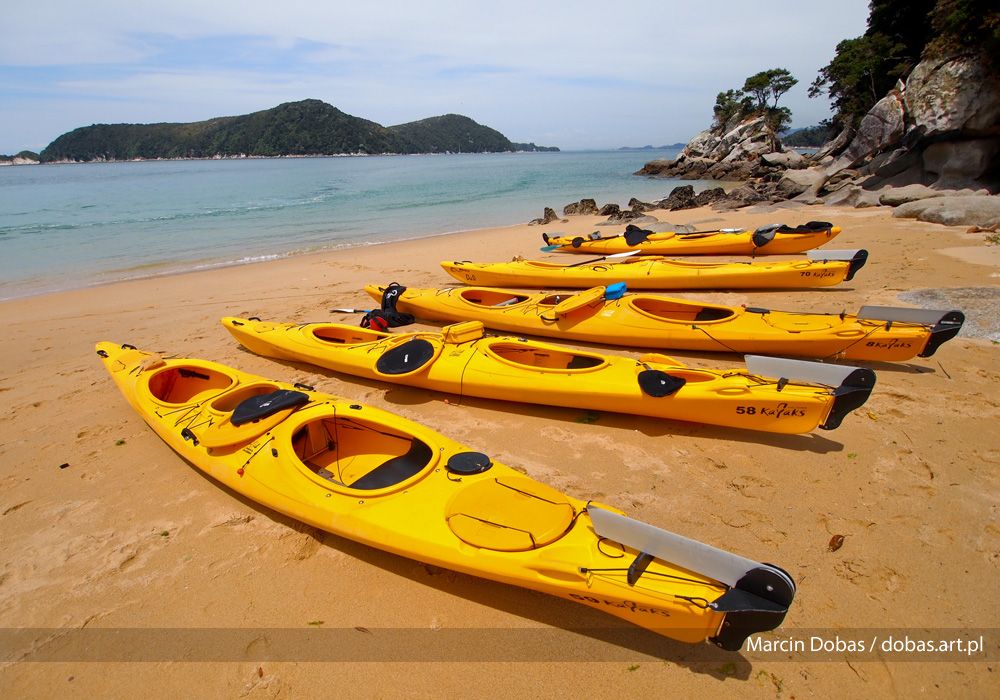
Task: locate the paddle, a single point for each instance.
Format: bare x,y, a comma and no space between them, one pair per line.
626,254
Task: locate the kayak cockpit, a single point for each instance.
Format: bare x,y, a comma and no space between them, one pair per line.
491,297
181,385
677,310
357,455
547,357
345,335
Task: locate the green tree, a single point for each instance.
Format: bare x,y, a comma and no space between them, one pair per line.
867,67
729,104
768,85
963,24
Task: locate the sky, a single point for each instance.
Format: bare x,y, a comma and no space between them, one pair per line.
575,74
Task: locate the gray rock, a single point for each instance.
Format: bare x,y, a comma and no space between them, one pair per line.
882,127
788,159
665,226
895,196
795,182
740,197
960,164
548,216
584,206
955,94
834,147
975,210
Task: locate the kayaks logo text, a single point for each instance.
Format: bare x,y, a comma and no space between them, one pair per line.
890,345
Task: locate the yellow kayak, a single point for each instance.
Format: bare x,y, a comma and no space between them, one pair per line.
822,268
775,239
460,360
650,321
376,478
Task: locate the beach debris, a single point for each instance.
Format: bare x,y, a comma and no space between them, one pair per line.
316,623
872,415
64,465
119,443
836,542
363,629
591,417
260,671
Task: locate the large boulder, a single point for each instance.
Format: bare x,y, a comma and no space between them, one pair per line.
960,164
975,210
958,94
881,128
795,182
788,159
584,206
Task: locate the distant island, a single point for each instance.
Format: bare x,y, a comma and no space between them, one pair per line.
305,128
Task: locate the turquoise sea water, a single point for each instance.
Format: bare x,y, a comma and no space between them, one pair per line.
69,226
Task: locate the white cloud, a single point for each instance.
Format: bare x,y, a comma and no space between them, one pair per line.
584,73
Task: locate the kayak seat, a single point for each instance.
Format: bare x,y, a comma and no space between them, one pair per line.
712,314
405,358
658,384
264,405
635,235
509,514
397,469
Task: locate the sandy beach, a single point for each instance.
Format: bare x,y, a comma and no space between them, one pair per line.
103,526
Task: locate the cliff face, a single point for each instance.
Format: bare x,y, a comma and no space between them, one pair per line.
935,135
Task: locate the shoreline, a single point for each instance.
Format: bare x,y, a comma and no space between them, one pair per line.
105,527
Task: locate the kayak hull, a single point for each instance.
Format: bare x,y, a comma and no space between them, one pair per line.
654,272
783,242
515,369
656,322
387,482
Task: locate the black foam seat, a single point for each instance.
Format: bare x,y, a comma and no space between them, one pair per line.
397,469
405,358
635,235
264,405
657,384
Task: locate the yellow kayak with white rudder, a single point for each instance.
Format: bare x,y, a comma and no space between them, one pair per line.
773,239
773,395
608,315
387,482
822,268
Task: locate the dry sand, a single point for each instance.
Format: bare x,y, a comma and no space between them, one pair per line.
130,536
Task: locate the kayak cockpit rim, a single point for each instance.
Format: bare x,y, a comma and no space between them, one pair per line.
491,298
546,358
344,451
186,383
338,334
678,310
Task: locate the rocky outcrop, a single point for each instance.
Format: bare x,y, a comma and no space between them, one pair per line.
548,216
955,95
741,151
584,206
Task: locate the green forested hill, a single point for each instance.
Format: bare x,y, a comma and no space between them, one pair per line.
305,128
